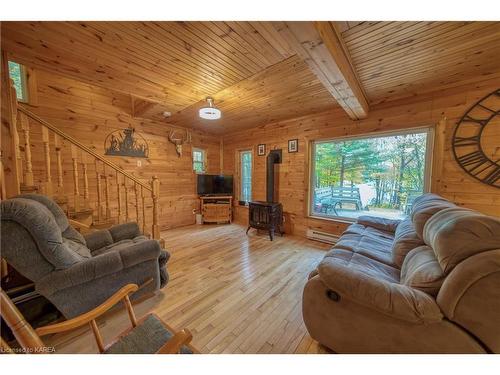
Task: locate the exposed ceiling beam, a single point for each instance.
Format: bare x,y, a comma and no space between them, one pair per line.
320,45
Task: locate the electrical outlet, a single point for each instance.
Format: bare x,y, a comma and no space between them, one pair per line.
139,163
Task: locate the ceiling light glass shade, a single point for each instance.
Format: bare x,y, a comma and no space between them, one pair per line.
210,112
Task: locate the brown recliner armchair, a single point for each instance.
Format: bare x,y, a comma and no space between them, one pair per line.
427,284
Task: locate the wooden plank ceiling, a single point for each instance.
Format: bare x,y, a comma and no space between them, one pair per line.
401,59
254,73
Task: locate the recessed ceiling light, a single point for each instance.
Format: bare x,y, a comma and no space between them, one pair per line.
210,112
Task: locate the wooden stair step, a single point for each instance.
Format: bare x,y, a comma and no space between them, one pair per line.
27,189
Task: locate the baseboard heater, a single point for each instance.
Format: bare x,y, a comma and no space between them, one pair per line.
317,235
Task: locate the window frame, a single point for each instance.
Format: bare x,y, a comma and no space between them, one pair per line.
24,82
204,159
240,174
429,130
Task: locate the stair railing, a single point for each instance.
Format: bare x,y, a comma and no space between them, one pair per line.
80,155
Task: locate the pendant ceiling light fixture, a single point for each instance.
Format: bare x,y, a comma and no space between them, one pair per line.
209,112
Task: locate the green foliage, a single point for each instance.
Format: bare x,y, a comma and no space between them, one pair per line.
15,73
393,165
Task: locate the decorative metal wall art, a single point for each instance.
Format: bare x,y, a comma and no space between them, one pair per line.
126,142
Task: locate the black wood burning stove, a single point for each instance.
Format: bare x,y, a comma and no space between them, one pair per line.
267,215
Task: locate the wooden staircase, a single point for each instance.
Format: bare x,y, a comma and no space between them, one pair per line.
93,191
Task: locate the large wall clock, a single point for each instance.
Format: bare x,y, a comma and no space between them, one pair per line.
476,140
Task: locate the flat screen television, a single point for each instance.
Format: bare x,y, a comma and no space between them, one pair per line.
209,184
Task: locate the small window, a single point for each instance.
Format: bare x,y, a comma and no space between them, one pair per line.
376,175
17,73
246,176
199,160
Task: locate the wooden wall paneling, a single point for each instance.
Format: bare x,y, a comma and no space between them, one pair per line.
418,112
90,113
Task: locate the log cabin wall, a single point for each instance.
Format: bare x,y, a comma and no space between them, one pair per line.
426,110
90,113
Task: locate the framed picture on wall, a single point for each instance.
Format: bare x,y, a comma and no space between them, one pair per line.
293,145
261,150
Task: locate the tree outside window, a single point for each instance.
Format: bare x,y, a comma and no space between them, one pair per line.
199,160
378,176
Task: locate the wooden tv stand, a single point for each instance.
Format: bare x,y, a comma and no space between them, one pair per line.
217,209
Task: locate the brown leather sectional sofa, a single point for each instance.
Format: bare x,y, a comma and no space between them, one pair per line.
427,284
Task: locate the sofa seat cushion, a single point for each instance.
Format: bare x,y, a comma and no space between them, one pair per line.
360,263
117,246
405,240
369,244
422,271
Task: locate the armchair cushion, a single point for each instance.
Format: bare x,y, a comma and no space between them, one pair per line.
375,285
99,266
98,239
125,231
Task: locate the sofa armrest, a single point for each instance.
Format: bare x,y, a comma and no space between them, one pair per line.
98,239
99,266
393,299
125,231
388,225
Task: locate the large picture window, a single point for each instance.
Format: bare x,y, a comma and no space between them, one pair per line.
378,176
246,176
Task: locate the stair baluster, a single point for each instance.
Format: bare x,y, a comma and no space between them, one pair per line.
28,173
127,217
99,192
155,193
106,194
136,193
76,188
46,151
86,193
58,146
143,198
119,196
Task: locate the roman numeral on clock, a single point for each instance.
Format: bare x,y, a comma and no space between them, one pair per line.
474,159
466,141
493,176
479,121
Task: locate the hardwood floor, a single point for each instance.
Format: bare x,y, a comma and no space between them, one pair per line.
236,293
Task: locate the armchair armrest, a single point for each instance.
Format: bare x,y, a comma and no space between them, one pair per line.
387,225
125,231
393,299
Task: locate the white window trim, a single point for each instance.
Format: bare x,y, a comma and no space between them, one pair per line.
427,168
204,161
240,175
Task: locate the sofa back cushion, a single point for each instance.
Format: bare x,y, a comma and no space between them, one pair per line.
457,233
422,271
424,207
405,240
